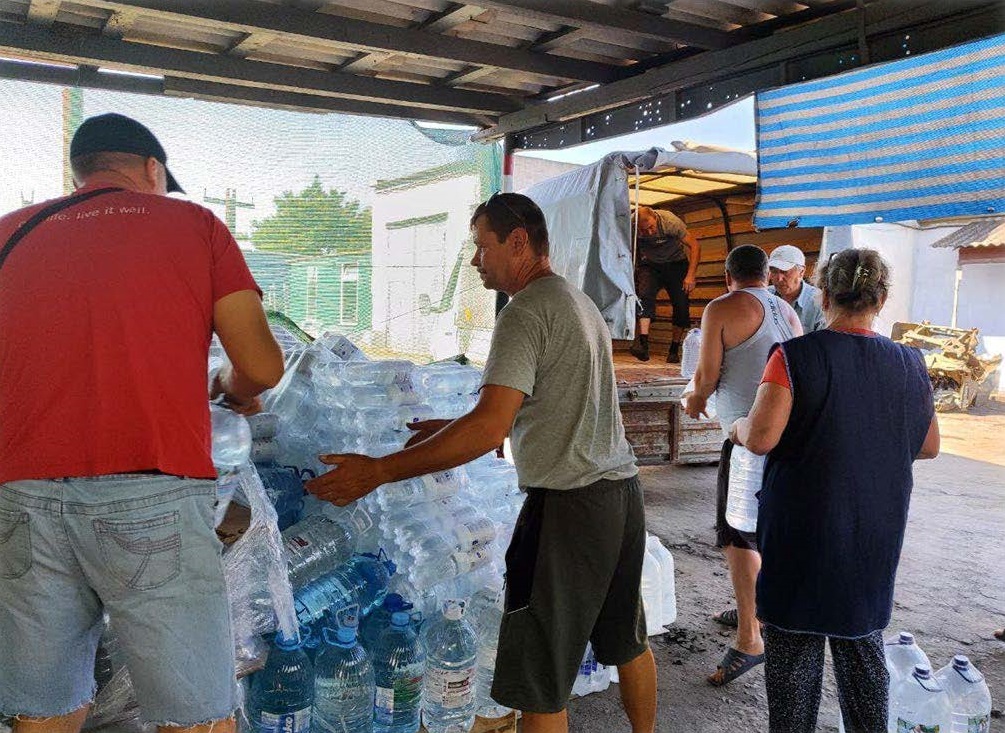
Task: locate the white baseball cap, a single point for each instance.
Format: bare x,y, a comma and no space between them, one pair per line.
786,257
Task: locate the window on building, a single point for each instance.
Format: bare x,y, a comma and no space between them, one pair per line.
349,313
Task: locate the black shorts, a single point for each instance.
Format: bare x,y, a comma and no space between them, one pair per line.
650,277
573,574
726,536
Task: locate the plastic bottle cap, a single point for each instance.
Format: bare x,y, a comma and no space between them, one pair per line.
923,671
286,644
346,635
961,662
906,638
399,618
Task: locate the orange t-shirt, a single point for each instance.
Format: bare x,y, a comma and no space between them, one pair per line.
777,369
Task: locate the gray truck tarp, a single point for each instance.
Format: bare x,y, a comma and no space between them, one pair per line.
588,211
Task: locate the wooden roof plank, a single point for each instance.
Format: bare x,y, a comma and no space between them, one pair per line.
152,59
43,12
253,15
594,15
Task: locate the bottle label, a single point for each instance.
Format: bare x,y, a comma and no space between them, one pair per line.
383,706
296,722
474,533
979,724
904,726
451,688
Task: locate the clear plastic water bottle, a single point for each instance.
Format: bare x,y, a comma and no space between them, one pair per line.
448,691
362,582
231,438
486,620
969,696
399,664
263,425
652,593
689,353
380,618
343,685
668,591
919,703
448,378
318,544
282,693
902,656
746,473
445,567
582,686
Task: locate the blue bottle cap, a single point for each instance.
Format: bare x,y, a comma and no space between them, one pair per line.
399,618
346,635
286,644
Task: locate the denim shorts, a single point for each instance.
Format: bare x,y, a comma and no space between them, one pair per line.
140,548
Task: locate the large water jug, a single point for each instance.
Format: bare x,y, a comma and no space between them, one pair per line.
399,664
652,593
343,685
283,692
902,655
319,543
918,704
689,353
448,691
746,472
969,695
668,590
362,582
380,618
231,438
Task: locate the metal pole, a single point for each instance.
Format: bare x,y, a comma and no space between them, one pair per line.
956,294
507,187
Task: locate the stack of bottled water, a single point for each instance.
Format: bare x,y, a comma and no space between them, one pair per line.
955,699
399,555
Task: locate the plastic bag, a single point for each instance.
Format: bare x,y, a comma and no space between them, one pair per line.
261,599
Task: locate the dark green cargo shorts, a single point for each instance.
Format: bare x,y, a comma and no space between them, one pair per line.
573,574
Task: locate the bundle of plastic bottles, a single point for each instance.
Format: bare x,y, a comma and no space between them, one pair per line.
953,699
407,548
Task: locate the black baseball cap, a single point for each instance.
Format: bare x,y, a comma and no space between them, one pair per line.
115,133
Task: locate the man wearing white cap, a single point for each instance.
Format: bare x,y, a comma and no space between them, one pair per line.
787,265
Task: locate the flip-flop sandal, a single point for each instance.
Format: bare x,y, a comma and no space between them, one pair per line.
729,617
733,665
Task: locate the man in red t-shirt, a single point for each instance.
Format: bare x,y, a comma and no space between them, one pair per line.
108,301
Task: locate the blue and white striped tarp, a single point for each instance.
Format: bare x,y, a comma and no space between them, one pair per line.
918,138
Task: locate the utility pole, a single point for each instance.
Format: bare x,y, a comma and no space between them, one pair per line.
230,206
73,115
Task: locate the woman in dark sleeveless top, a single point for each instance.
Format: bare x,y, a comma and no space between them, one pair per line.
842,413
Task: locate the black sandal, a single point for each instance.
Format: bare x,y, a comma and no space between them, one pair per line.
730,617
733,665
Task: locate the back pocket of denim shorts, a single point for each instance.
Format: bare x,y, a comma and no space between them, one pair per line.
15,544
143,554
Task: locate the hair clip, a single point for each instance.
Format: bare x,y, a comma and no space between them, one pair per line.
861,273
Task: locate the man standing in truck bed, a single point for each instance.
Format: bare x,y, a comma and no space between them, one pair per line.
668,258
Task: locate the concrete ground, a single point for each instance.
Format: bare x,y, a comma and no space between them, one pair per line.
950,587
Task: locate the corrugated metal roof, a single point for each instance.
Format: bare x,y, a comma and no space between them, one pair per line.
981,233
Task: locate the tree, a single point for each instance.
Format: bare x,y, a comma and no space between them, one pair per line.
314,222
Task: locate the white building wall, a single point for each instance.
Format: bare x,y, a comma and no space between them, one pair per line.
432,336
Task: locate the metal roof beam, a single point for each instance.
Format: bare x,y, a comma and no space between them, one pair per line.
250,16
144,58
608,18
832,31
233,94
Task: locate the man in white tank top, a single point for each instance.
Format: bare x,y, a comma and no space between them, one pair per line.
738,330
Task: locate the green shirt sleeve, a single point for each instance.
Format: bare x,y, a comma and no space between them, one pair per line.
517,346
